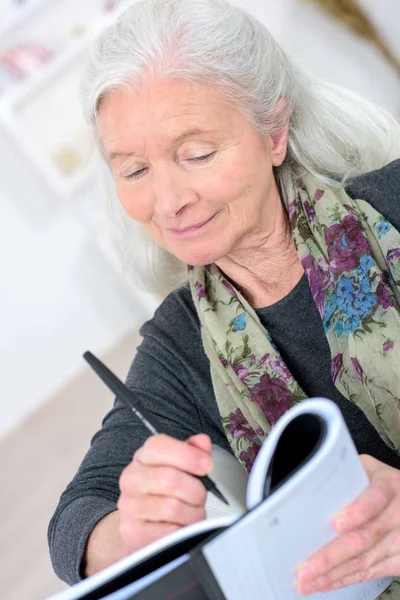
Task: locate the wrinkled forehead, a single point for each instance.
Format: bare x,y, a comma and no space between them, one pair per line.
164,110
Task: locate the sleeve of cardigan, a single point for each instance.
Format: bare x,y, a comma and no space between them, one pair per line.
382,190
158,373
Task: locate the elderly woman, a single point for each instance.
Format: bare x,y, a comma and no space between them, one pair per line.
267,203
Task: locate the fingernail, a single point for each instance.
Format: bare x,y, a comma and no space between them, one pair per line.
305,570
305,588
341,521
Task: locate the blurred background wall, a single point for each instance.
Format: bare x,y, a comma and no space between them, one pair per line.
61,290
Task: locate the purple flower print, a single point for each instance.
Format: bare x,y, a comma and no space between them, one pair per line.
229,287
201,291
392,255
346,243
256,359
277,364
223,361
208,268
387,346
190,268
383,296
249,456
240,371
240,428
357,368
310,212
292,211
273,397
318,279
337,362
319,194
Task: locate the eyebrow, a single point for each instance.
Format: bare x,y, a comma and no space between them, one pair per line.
180,138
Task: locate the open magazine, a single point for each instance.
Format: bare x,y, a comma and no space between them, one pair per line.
306,472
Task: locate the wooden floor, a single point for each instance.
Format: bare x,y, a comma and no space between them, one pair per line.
37,460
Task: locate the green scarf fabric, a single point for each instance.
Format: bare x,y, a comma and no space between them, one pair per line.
351,256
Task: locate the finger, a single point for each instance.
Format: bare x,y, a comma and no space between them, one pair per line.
136,535
165,450
370,504
351,551
162,481
160,509
202,441
336,553
387,568
368,565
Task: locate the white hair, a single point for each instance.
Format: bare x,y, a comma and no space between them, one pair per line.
333,133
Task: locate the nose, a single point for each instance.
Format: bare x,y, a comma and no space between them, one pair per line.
171,192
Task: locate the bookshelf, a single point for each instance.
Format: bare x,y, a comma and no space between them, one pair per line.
43,45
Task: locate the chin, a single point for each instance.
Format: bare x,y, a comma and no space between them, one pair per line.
199,258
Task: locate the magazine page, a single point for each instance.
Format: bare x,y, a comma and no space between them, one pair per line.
231,479
169,544
295,520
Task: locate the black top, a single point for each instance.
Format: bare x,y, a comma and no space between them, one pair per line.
172,374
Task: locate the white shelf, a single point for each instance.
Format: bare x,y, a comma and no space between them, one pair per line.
21,15
42,114
45,76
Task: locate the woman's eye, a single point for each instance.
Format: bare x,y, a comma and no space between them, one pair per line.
202,158
135,174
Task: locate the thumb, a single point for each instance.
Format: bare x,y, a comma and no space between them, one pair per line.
370,464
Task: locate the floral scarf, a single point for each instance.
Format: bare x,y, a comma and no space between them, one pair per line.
351,256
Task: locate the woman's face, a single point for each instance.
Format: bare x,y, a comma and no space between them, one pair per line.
190,168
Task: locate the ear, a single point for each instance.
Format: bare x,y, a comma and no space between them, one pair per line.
279,147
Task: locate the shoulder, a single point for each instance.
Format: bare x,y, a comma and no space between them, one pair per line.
176,318
176,306
381,189
170,361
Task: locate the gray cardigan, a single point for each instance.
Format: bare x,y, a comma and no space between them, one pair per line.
171,372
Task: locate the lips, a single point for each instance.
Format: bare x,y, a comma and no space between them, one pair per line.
189,228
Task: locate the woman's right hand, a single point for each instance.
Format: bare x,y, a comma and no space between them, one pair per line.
158,491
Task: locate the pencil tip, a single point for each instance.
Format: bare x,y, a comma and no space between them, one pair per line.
220,496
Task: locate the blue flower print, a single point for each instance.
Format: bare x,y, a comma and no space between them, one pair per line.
351,324
345,287
339,329
344,293
352,301
382,227
330,307
271,341
364,285
366,263
364,304
239,322
355,298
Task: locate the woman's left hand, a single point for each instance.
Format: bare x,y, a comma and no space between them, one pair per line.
368,545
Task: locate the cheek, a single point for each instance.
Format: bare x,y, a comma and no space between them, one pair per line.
134,202
223,184
235,180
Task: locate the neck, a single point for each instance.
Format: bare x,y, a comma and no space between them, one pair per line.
268,267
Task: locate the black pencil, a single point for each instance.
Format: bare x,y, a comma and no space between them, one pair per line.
133,402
